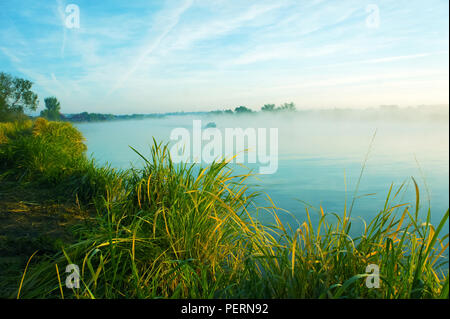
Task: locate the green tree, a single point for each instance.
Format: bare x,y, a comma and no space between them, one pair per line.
242,109
15,97
287,107
3,109
268,108
52,108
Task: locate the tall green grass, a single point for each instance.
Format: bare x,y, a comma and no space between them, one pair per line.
177,231
327,262
41,148
52,153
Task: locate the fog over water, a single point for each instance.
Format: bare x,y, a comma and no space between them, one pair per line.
320,154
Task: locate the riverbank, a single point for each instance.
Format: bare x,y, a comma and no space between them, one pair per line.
32,221
166,231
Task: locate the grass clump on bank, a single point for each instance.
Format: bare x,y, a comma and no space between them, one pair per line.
51,153
177,231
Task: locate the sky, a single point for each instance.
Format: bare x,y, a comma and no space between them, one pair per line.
196,55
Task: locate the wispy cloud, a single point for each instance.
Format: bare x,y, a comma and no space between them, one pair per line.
173,20
146,56
404,57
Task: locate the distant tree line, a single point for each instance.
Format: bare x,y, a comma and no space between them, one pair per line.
284,107
290,107
89,117
97,117
16,97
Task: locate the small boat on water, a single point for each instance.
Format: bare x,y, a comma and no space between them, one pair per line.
210,125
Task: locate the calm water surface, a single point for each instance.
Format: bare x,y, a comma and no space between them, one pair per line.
319,160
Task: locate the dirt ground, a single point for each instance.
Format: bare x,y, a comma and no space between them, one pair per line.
31,220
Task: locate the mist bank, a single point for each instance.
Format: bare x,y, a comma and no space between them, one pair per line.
317,156
435,113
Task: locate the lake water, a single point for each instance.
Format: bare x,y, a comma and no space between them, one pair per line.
319,160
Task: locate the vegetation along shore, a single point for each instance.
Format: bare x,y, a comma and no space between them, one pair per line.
174,231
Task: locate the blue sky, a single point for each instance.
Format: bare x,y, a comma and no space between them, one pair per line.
191,55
